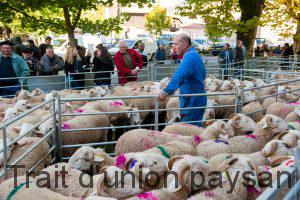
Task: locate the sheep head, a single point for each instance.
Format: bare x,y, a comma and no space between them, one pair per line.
116,183
210,112
37,92
28,129
146,163
99,91
10,113
271,123
276,151
22,105
218,129
242,122
134,118
185,167
23,94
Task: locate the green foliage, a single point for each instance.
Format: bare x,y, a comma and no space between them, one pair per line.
61,16
157,20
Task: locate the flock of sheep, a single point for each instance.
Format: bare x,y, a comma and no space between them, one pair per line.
258,139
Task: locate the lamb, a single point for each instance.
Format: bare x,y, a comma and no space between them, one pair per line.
238,167
254,110
293,116
268,101
172,149
10,113
141,164
280,109
37,92
267,128
90,160
2,149
241,124
125,91
22,105
227,85
31,159
87,136
23,95
27,129
173,115
227,101
183,185
276,151
141,139
183,129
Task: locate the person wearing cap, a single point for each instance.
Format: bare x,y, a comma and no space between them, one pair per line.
11,66
34,49
44,46
32,62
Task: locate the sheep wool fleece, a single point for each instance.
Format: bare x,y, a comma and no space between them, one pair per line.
189,78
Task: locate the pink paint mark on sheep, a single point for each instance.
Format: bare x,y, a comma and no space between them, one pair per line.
65,126
294,103
121,161
252,136
80,110
197,139
147,196
267,168
290,162
156,133
298,121
253,190
210,194
82,198
148,144
116,104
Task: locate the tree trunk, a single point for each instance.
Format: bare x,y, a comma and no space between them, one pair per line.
70,28
297,38
250,9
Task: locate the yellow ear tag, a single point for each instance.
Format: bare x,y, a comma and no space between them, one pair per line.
98,158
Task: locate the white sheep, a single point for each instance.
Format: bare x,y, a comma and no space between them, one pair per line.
241,124
10,113
2,153
254,110
173,115
280,109
184,129
267,128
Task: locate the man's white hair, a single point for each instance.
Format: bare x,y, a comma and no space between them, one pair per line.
123,43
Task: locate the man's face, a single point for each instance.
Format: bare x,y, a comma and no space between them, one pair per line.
179,45
6,50
50,53
48,42
240,44
27,56
226,47
141,47
123,48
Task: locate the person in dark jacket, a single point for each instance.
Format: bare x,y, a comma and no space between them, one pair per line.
18,45
44,46
73,65
51,63
32,62
238,58
160,54
34,49
141,51
12,66
102,63
226,59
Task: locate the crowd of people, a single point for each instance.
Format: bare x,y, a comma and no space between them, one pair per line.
263,50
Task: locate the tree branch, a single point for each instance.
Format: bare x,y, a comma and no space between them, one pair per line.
67,17
28,16
76,19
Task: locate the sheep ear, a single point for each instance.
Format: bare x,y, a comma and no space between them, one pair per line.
127,165
236,121
16,129
281,135
68,104
233,115
172,161
181,172
253,166
270,122
210,122
269,149
227,163
17,94
290,140
38,134
99,190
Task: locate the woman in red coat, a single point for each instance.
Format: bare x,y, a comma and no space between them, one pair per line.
129,62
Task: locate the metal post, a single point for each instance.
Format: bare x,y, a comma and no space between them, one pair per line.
242,99
156,113
236,100
54,129
66,82
223,74
277,92
5,152
69,82
154,72
60,143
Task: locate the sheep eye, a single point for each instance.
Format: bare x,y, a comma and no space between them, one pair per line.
155,163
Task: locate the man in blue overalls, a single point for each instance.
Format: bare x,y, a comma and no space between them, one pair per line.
189,78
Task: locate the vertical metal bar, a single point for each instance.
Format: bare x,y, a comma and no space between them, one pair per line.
154,72
69,82
236,100
242,99
223,72
277,85
66,82
5,152
156,113
60,143
54,128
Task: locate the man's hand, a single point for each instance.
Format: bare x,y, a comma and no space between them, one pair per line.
161,97
137,69
56,68
133,72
